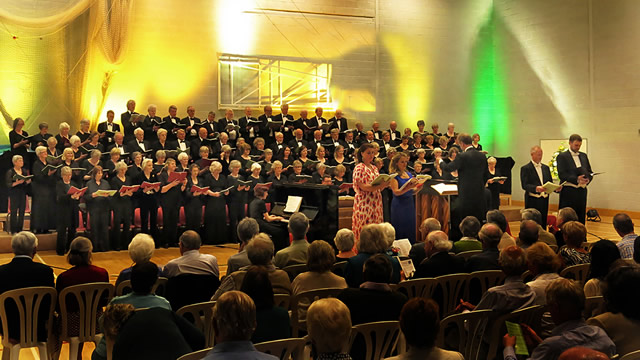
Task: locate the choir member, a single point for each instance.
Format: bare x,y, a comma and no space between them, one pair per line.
52,149
118,143
108,126
171,122
67,160
78,154
194,199
393,131
375,129
435,131
90,163
63,136
198,142
267,222
150,124
318,120
575,170
438,173
338,156
339,178
110,167
18,139
298,141
247,130
159,165
99,209
404,144
417,141
443,142
338,121
420,131
420,156
139,143
244,158
276,177
122,208
40,139
162,143
215,209
236,199
266,163
136,167
225,159
170,201
286,159
130,120
84,132
297,171
148,201
258,147
191,121
94,142
532,176
228,121
475,142
320,155
451,135
493,186
255,178
286,119
318,174
18,189
216,147
315,142
67,211
204,161
181,142
43,188
302,154
183,160
429,143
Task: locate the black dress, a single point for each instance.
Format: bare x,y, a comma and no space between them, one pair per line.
148,207
43,187
215,212
99,214
193,205
494,190
170,202
67,219
279,235
122,209
236,201
18,200
254,182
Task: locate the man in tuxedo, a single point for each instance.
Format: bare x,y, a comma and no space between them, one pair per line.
532,176
377,133
191,121
265,131
171,122
314,143
386,144
108,125
298,140
574,168
128,121
248,132
210,125
304,123
228,120
395,134
118,142
278,146
150,123
351,144
216,147
163,143
199,141
472,167
438,262
284,115
318,120
339,122
23,272
334,141
139,144
181,142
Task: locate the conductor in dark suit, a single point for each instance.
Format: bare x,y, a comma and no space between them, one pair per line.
574,168
532,176
438,262
128,121
23,272
472,167
108,125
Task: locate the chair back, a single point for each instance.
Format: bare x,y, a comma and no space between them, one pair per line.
201,315
452,288
196,355
159,288
470,326
467,254
593,306
380,338
190,289
284,349
635,355
338,268
483,280
531,316
295,270
282,300
576,272
417,287
90,299
310,296
28,302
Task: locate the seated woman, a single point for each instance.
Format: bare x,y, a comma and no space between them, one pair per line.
603,254
141,250
344,241
575,233
272,321
329,327
268,223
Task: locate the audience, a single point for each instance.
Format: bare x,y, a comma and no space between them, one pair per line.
543,264
420,325
469,227
565,300
272,321
543,235
247,229
260,252
528,234
623,225
234,321
82,272
191,260
417,253
329,328
389,233
603,254
498,218
575,234
296,252
565,215
491,236
153,333
141,250
372,241
622,321
438,262
344,241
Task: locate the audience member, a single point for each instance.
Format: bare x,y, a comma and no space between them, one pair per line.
491,237
372,241
543,265
191,260
23,272
329,328
498,218
82,271
296,252
141,250
438,262
575,234
469,227
621,294
565,215
344,241
543,235
234,321
153,333
420,325
247,229
623,225
389,233
565,300
272,321
603,254
528,234
582,353
417,253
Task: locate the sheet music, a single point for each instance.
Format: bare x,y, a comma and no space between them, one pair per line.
293,204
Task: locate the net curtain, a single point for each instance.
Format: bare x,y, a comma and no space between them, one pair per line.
57,59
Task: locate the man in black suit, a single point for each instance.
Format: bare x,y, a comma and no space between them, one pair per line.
472,168
128,121
298,140
318,120
171,122
23,272
265,131
249,132
377,133
351,144
490,235
199,141
532,176
438,262
139,144
333,142
278,146
574,168
304,123
417,252
287,127
386,143
395,134
227,121
210,125
108,125
339,122
151,123
314,143
191,121
118,142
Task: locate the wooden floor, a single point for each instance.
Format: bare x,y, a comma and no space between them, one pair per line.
114,262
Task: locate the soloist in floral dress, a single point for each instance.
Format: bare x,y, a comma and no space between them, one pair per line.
367,205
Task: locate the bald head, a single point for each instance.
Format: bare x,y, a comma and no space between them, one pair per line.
490,235
582,353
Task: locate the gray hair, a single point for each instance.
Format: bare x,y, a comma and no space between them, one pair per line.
247,229
344,239
74,139
120,164
40,149
215,166
161,131
190,240
298,225
145,162
255,166
532,214
470,226
431,224
95,152
234,164
389,232
440,240
52,140
141,248
15,158
138,130
84,121
63,125
182,155
152,106
65,170
161,154
24,243
260,249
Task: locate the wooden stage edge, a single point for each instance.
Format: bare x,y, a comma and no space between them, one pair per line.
601,211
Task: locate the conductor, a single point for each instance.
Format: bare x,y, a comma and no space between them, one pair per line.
532,176
574,168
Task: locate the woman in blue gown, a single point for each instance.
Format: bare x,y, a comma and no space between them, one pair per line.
403,209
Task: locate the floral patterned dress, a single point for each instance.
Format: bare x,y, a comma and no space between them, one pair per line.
367,205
